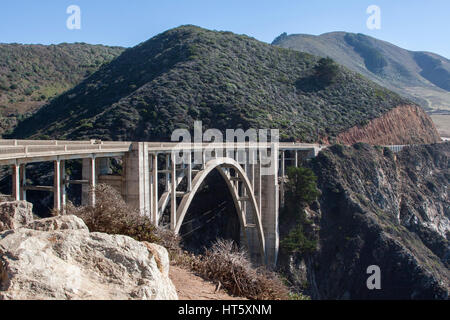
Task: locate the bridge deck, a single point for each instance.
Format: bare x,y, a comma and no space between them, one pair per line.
27,151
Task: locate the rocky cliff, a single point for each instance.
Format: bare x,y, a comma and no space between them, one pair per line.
384,209
58,258
406,124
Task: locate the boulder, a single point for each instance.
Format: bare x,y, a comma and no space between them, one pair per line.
161,257
68,222
51,263
15,214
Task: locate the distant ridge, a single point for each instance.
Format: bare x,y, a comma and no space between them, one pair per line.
421,76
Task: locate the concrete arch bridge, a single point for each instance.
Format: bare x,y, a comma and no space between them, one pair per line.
254,175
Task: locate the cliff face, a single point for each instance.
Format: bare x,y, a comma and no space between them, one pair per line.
384,209
406,124
59,259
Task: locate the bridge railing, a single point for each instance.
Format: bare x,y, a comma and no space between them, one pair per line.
396,148
15,143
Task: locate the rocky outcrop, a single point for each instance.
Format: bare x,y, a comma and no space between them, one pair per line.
384,209
60,259
15,214
407,124
58,223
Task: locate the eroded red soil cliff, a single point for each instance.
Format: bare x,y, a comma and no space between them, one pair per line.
407,124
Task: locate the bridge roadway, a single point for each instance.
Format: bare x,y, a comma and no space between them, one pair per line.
254,174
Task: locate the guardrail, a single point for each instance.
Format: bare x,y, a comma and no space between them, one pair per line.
16,143
396,148
25,150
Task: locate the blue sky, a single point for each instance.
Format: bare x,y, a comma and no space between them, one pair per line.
412,24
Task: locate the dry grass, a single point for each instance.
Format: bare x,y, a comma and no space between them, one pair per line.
225,263
113,216
5,198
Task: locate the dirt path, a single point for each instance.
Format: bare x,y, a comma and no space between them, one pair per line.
192,287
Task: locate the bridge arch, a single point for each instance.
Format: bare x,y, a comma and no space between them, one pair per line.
223,165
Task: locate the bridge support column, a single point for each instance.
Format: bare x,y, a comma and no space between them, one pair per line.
63,187
189,173
173,196
89,173
23,182
57,186
270,209
137,175
16,182
283,173
254,177
154,190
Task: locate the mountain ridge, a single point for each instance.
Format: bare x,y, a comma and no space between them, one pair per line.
226,80
403,74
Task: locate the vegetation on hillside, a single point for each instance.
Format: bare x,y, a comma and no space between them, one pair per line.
433,70
32,75
301,191
326,71
373,59
225,80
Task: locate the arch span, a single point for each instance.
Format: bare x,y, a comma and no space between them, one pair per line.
223,165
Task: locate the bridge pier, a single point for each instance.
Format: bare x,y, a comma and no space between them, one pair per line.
154,190
89,174
254,175
137,177
270,210
16,182
57,185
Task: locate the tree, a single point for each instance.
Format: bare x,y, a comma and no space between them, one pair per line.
326,71
301,188
301,191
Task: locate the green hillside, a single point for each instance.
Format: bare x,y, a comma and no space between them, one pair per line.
421,76
31,75
224,79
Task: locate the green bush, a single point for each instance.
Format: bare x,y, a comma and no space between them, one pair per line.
301,191
301,187
326,71
297,241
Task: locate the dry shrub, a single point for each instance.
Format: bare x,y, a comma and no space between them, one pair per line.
113,216
5,198
224,262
